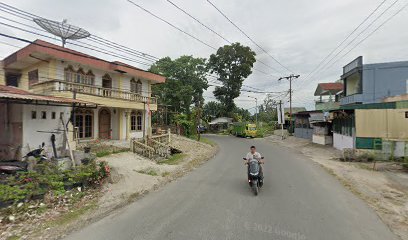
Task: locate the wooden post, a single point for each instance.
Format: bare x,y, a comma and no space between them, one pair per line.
69,148
169,132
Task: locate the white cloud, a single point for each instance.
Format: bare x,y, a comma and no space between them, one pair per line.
298,33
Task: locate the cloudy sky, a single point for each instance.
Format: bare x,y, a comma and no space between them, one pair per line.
298,33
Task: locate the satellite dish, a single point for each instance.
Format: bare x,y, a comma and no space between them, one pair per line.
62,29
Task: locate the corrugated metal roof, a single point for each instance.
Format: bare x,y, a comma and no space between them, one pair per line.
9,92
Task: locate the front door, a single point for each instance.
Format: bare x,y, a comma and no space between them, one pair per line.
104,124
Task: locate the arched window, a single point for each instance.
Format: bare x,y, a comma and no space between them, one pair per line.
80,76
84,123
89,78
136,121
139,86
133,85
106,83
69,74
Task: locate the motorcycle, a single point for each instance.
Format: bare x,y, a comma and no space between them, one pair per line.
254,177
12,167
37,153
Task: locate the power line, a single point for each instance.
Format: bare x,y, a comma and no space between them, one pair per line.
90,47
349,43
213,31
371,33
172,25
29,16
92,40
236,26
345,39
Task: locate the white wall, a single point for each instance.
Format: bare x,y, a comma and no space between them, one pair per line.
342,141
32,138
322,139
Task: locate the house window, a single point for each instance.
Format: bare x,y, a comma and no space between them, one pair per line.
136,121
107,85
406,114
80,76
53,115
33,115
32,77
43,115
69,74
84,123
139,86
89,78
133,85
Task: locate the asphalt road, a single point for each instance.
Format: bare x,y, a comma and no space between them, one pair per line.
298,201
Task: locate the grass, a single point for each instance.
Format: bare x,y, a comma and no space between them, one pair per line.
203,140
148,171
13,238
207,141
174,159
73,215
165,174
104,153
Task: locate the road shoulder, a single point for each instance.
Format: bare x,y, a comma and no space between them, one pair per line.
385,189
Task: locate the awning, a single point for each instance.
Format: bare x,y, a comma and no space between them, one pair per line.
16,94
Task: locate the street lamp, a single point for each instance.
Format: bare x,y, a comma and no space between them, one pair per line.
256,109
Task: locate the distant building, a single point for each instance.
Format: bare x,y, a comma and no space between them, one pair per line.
219,124
371,83
328,95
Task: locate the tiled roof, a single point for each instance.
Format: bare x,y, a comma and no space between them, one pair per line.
331,86
40,46
9,92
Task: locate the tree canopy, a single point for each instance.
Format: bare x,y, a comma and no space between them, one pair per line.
185,82
232,63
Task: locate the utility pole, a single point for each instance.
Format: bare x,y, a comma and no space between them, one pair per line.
198,121
256,109
290,78
281,117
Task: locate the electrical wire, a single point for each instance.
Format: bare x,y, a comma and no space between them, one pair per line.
256,44
345,39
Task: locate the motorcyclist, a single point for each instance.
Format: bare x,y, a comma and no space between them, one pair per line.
253,154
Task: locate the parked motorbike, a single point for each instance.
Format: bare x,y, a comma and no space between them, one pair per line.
37,153
12,167
254,177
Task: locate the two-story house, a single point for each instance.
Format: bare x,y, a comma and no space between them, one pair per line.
373,113
328,95
371,83
119,93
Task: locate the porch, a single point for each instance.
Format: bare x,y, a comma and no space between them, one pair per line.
96,94
110,123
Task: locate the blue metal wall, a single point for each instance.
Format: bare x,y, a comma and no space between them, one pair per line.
384,80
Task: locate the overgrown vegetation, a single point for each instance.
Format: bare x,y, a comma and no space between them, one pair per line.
174,159
47,178
102,149
148,171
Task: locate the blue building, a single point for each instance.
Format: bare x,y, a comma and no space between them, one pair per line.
371,83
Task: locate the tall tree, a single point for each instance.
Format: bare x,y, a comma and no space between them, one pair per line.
185,82
212,110
232,63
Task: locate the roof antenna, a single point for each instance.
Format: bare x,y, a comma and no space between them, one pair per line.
62,29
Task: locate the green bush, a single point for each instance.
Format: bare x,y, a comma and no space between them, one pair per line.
48,178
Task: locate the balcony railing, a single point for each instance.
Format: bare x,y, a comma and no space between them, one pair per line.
61,86
351,99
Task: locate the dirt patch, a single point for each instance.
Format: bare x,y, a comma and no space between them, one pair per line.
384,189
132,176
